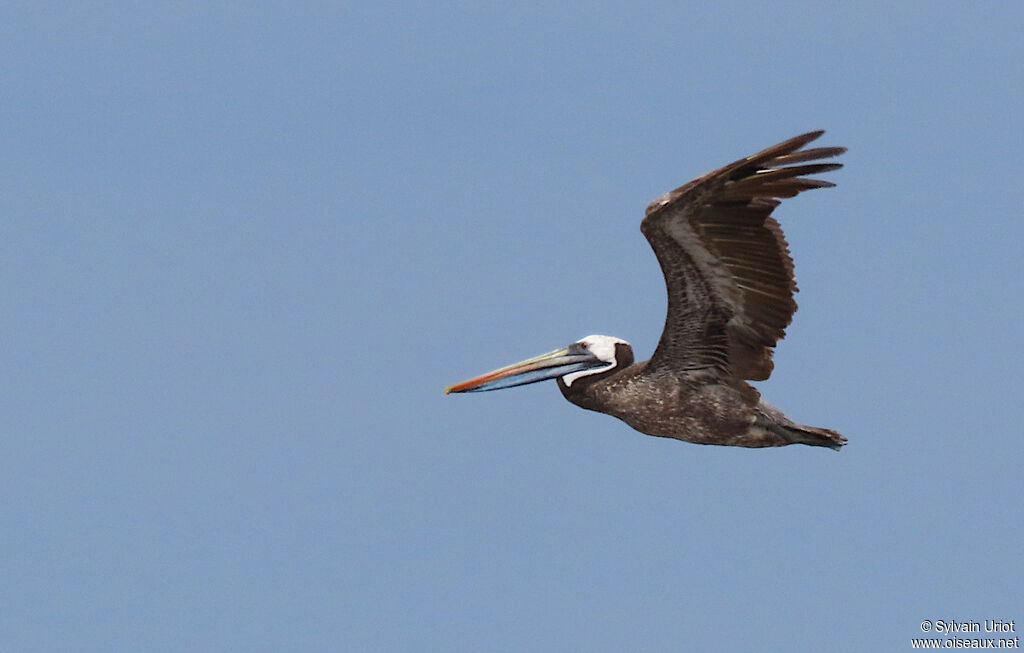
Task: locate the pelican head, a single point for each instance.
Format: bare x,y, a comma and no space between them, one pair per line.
585,357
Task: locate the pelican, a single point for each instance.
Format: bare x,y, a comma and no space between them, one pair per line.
730,298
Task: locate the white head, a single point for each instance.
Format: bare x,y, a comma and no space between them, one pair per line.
601,347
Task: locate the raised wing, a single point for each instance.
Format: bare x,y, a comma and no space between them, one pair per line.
726,261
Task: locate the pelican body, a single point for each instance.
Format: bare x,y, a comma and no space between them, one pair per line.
730,285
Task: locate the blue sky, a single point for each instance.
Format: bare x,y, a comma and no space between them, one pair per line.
245,247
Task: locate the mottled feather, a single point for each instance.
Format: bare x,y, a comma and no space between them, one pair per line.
726,261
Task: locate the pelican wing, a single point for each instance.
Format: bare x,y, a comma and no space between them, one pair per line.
726,261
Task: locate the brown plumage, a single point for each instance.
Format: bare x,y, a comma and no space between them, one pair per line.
730,285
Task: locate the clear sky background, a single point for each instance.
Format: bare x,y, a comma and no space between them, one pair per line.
245,247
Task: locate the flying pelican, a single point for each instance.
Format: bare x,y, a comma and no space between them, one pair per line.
730,298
